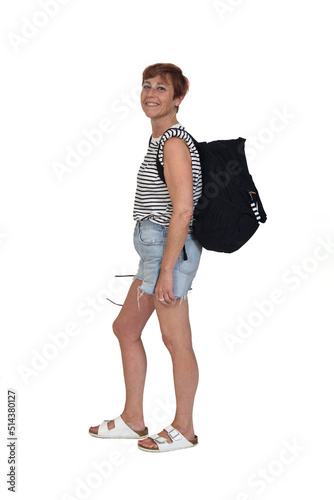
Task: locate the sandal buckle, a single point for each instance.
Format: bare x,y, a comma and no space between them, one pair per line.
175,435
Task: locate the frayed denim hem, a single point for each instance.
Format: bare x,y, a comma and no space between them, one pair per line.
140,293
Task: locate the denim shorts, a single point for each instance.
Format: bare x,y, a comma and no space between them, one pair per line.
149,239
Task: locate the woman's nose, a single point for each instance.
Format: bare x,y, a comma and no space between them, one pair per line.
151,92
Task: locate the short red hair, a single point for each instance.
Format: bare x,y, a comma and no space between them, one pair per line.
179,81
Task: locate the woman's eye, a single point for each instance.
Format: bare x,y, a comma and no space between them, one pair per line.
147,87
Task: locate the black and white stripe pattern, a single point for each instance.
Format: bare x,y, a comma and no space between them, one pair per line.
255,209
152,200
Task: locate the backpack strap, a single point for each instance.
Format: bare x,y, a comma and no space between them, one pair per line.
191,143
173,132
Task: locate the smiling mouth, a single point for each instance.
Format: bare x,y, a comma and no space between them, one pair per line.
152,104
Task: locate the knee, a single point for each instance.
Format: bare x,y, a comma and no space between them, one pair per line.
168,341
116,328
125,332
120,329
176,343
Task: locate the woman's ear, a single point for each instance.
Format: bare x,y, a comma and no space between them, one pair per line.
180,99
178,102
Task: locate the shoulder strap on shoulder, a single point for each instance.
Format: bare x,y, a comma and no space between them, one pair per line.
173,132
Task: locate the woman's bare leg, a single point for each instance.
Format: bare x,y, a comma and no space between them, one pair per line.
128,327
176,335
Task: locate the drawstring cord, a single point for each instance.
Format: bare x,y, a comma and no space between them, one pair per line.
124,275
120,276
185,257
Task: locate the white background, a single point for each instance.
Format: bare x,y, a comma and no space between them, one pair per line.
64,237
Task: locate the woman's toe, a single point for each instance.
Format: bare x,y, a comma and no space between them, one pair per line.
148,443
94,430
152,444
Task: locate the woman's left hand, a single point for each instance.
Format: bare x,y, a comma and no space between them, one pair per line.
164,288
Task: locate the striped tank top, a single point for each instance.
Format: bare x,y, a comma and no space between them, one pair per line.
152,200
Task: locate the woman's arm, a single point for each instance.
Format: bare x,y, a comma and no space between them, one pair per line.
179,180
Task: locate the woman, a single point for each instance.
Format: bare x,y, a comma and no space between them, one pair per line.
169,258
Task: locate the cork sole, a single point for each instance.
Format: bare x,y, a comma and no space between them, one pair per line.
194,442
141,434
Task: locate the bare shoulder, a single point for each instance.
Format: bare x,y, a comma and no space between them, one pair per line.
176,146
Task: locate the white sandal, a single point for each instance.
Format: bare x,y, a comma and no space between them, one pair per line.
120,431
179,442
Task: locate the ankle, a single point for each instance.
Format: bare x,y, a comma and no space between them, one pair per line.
136,418
183,427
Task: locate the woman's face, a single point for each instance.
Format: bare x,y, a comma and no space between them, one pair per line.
157,97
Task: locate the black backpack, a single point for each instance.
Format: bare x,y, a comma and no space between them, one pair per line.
229,210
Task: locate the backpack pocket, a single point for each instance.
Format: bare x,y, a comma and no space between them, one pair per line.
220,217
223,227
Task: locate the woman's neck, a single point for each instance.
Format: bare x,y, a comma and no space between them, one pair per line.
160,126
